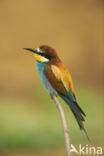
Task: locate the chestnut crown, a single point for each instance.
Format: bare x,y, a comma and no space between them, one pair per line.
47,52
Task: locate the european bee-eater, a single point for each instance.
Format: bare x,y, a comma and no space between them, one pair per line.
56,78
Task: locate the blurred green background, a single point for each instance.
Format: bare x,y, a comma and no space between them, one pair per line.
29,121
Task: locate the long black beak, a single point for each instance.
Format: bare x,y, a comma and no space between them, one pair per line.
32,50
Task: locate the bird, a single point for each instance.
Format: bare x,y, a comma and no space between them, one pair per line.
57,80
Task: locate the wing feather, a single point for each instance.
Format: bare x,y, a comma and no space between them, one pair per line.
59,77
55,82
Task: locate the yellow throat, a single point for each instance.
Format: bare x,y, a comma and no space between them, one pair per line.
40,58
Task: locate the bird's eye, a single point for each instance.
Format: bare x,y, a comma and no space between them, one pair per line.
40,51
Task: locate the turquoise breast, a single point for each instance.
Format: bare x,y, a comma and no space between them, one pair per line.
45,82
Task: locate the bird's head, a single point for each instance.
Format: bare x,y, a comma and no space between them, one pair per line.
44,53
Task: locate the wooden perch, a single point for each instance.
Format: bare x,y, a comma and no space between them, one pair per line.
64,125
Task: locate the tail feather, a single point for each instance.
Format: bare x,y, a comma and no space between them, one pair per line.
79,108
78,113
74,107
80,123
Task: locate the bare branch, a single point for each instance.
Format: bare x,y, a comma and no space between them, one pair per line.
64,125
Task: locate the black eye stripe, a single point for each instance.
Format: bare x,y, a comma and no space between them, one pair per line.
45,55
